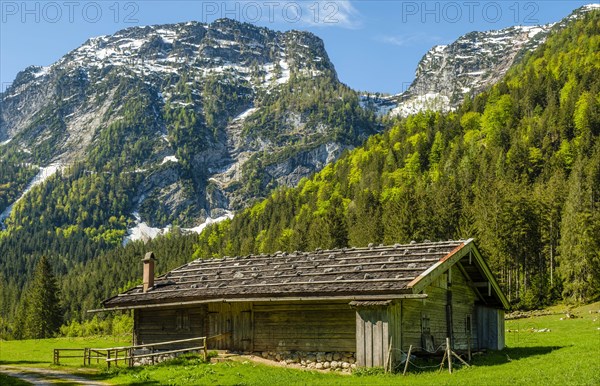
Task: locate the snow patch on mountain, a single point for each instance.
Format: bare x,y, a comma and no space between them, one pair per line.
43,174
245,114
143,231
380,105
198,229
169,158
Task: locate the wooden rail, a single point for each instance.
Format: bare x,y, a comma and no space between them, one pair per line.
127,353
57,354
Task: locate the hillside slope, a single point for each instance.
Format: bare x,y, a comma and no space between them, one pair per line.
518,167
160,126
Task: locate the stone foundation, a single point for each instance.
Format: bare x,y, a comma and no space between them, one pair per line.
333,361
158,358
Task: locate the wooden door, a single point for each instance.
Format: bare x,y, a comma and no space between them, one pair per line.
246,331
372,337
219,329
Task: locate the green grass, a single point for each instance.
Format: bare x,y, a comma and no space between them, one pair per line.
567,355
40,352
5,380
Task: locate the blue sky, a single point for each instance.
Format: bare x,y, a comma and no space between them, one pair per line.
375,45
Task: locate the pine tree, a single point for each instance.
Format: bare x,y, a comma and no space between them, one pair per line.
43,316
579,248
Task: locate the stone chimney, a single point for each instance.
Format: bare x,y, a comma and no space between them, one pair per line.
148,271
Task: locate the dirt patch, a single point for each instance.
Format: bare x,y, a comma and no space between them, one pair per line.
39,376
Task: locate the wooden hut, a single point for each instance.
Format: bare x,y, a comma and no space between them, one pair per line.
369,304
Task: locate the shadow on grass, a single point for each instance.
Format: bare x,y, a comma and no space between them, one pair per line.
3,362
491,358
510,354
6,380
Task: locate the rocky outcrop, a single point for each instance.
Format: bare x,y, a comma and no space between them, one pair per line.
448,73
142,79
474,62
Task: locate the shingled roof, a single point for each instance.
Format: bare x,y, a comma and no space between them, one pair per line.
374,272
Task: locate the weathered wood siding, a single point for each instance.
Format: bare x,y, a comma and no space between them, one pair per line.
231,326
372,336
395,328
304,326
490,328
432,316
463,305
165,324
372,332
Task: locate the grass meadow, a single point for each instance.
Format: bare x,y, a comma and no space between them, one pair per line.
542,350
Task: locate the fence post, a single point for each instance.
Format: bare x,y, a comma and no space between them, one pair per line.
449,351
107,358
205,350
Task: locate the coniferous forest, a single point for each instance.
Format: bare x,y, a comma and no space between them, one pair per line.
516,167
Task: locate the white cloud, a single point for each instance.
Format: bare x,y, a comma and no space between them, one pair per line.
339,13
289,13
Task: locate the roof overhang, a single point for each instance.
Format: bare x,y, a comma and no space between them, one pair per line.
265,299
467,248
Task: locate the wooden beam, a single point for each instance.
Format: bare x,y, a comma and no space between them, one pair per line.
269,299
466,275
427,277
490,276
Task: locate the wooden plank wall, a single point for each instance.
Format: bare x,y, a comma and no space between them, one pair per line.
490,328
395,319
160,325
501,330
463,304
304,327
434,310
372,336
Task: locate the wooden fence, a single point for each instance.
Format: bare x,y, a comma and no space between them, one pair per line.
57,354
127,354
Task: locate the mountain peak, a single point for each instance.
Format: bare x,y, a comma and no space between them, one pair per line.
475,61
210,105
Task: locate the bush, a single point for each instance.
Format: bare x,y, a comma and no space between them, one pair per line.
119,325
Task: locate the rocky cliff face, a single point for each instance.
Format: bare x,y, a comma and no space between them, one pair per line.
221,113
477,60
447,74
